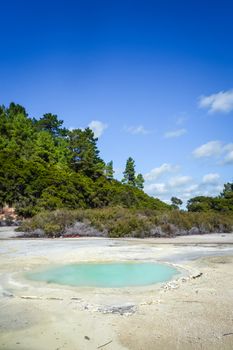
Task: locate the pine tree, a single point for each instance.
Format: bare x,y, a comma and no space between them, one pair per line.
227,190
140,181
84,153
129,173
109,172
50,122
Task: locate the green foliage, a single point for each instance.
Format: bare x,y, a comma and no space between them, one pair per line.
129,173
47,220
199,203
43,166
176,202
222,203
130,178
130,222
52,230
227,191
50,123
84,153
109,172
139,181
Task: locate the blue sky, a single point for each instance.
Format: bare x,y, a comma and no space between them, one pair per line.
154,79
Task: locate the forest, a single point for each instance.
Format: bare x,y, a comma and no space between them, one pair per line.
44,167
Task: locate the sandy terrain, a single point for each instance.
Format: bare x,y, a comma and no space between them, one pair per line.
188,313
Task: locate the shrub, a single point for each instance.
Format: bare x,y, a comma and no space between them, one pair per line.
52,230
125,222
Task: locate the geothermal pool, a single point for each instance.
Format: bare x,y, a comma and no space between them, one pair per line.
106,275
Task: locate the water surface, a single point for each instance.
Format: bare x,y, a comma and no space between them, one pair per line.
109,275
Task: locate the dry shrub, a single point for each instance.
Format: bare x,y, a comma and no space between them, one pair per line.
121,222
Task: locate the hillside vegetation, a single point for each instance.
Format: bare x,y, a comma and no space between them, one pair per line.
125,222
56,178
44,166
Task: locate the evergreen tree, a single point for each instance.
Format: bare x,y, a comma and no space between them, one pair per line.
227,190
109,172
129,173
84,153
49,122
140,181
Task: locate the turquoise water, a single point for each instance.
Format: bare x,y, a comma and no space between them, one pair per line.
108,275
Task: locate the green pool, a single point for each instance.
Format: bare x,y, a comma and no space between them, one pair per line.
106,275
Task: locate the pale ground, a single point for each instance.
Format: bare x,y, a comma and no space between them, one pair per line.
191,313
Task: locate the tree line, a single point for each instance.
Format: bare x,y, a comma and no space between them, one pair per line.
221,203
45,166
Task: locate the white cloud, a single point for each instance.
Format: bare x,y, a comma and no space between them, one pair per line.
219,102
191,189
137,130
185,187
97,127
211,178
175,133
178,186
209,149
228,147
163,169
156,189
210,185
180,181
215,149
228,158
186,195
217,190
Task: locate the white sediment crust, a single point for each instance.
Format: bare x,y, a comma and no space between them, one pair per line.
192,311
